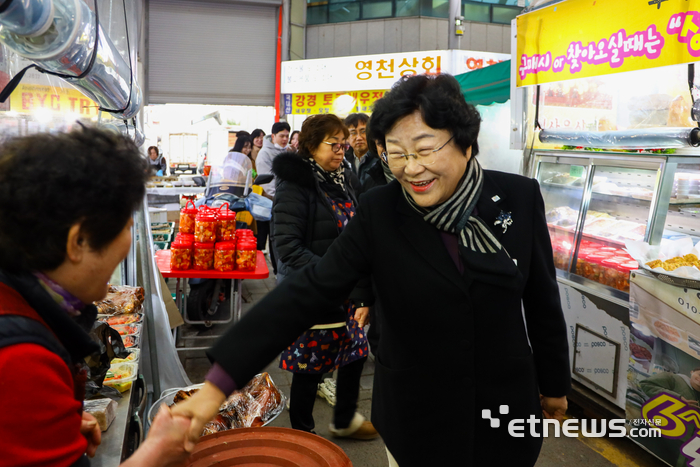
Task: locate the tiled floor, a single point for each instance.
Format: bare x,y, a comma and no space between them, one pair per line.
556,452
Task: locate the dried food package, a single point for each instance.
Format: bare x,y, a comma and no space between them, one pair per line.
218,424
121,299
104,410
182,395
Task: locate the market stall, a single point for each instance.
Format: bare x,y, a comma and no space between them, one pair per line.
612,139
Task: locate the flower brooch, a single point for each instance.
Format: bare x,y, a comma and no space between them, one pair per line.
505,220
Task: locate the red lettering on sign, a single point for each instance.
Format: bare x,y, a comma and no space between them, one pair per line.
41,99
27,101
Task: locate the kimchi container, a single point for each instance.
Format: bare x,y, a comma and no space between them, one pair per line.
187,218
205,227
246,255
203,256
226,225
180,255
225,256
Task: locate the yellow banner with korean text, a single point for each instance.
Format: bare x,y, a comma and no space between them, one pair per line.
334,102
584,38
28,98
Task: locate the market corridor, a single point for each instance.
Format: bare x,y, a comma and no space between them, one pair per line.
556,452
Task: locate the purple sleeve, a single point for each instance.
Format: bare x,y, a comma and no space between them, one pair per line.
219,378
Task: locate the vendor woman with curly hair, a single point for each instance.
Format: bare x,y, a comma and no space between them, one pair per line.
66,205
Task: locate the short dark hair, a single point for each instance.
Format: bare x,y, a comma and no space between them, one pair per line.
440,102
371,143
280,126
316,128
48,183
356,119
241,142
257,132
152,147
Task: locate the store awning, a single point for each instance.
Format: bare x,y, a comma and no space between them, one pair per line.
486,86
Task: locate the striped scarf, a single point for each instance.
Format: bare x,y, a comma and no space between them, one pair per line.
324,176
455,214
388,174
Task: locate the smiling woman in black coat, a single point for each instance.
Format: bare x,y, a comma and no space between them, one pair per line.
456,254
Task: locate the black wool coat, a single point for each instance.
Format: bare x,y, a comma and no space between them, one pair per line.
452,345
303,225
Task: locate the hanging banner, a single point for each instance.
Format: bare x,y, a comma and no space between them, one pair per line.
28,98
580,38
379,71
334,102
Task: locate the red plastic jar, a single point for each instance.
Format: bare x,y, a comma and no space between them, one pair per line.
581,259
205,227
226,225
225,256
203,256
246,255
187,218
562,254
592,267
185,238
624,278
611,270
180,256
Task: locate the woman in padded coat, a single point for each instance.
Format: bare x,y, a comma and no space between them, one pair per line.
456,254
314,201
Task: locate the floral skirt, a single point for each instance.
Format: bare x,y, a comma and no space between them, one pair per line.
323,350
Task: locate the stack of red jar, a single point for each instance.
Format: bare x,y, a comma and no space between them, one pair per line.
246,250
213,242
608,265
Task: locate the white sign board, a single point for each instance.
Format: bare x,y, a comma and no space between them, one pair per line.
595,359
377,72
580,311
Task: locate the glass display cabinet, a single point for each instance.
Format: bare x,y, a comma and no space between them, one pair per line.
595,202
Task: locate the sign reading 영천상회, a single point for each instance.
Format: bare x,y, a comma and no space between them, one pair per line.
582,38
334,102
380,71
27,98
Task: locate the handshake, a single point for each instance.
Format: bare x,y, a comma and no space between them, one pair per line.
173,434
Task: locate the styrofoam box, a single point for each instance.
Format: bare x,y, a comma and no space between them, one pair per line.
158,215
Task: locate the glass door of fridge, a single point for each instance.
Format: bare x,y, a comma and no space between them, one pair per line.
619,210
563,185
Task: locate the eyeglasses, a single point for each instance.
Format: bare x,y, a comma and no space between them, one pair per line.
336,146
423,158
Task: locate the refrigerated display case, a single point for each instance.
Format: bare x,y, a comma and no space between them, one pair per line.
595,202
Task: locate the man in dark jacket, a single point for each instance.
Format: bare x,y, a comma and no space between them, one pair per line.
359,156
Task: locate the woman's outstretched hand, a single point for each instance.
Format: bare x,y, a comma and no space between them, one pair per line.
200,409
166,445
